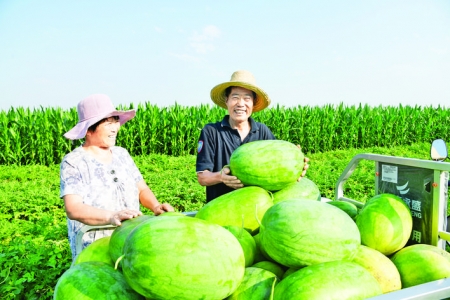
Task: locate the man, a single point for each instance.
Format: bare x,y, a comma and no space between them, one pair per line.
241,97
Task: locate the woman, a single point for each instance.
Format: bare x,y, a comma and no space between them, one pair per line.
100,183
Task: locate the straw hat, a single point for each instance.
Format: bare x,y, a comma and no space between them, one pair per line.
91,110
243,79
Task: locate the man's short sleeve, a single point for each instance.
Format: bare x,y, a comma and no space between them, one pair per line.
265,133
206,150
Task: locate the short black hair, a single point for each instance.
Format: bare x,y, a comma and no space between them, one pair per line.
228,91
93,127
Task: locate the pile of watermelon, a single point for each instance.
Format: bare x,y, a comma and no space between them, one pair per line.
272,239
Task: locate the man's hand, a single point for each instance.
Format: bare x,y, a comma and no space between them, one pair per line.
229,180
305,166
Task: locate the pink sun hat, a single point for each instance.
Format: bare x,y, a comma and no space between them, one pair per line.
91,110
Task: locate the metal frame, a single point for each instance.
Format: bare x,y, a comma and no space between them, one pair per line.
87,228
441,170
438,289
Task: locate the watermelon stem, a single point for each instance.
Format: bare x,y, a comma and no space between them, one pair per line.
273,288
256,215
118,261
242,227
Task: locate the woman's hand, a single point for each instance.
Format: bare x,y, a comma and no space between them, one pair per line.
162,208
117,217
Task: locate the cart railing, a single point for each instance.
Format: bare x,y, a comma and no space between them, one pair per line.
438,289
87,228
440,178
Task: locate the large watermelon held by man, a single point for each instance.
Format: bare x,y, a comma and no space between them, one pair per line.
270,164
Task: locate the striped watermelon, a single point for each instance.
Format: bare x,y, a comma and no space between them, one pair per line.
93,280
179,257
98,250
421,263
247,242
243,207
270,164
257,284
385,223
330,280
303,189
301,233
380,266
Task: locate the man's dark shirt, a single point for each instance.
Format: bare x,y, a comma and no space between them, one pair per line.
216,144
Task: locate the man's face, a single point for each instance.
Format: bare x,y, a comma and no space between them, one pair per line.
240,104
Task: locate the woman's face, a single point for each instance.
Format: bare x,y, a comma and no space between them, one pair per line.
240,104
105,134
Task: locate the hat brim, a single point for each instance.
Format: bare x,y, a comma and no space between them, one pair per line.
218,94
79,130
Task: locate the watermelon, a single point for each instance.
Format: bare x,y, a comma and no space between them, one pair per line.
289,272
93,280
380,266
98,250
385,223
270,164
243,207
179,257
349,208
247,242
120,234
257,284
172,213
261,254
301,233
329,280
271,266
421,263
303,189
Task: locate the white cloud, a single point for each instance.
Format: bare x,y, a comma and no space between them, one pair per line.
185,57
202,47
202,42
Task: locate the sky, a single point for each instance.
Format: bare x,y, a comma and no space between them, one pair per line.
315,53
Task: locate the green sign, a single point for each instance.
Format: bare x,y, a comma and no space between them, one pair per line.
415,186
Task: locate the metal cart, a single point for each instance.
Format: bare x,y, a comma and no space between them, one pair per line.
423,185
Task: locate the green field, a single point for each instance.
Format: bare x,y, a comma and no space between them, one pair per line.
34,247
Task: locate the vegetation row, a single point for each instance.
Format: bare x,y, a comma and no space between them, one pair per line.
35,136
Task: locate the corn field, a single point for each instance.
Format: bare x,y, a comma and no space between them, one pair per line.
36,136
